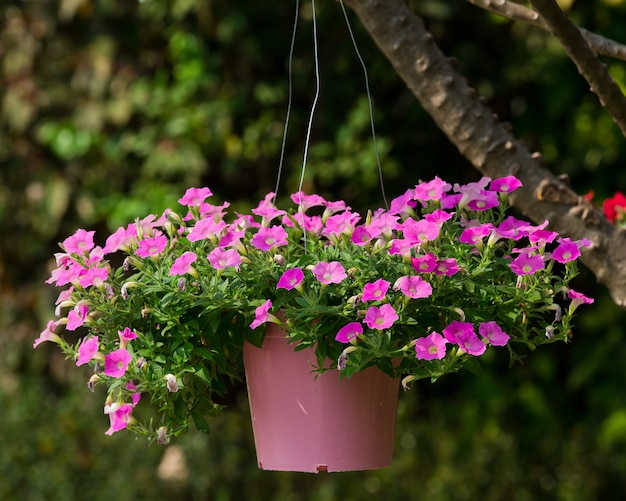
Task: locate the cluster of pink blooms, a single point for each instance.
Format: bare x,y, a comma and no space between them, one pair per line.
397,231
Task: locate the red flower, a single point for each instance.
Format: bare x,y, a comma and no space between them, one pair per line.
613,207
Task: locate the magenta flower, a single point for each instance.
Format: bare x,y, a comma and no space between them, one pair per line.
492,332
119,417
400,246
87,350
76,317
290,279
80,242
418,232
193,197
269,238
566,251
505,184
513,228
484,200
403,204
380,318
116,362
413,286
329,273
542,237
224,258
48,334
375,291
468,341
341,224
152,246
183,263
577,298
456,328
349,332
475,234
425,263
126,336
205,229
93,276
525,264
121,239
307,201
267,210
262,315
431,190
431,347
361,235
438,216
447,267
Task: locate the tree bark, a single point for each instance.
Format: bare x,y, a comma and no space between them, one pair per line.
486,143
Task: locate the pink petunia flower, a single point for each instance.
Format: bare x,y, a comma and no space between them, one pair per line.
380,318
475,234
126,336
447,267
431,190
152,246
413,286
505,184
329,273
80,242
526,264
119,417
267,210
183,263
263,315
419,232
193,197
349,332
48,334
307,201
290,279
94,276
455,328
375,291
116,362
431,347
224,258
205,229
468,341
76,317
269,238
425,263
87,350
577,298
361,236
566,251
492,332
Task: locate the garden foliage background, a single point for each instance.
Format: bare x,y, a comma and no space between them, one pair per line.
110,109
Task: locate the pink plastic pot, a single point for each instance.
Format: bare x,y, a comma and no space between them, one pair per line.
305,424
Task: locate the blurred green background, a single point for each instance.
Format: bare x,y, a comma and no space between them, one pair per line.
110,109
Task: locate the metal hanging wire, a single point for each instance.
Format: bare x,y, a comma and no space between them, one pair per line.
316,98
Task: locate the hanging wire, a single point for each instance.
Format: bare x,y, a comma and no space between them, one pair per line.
315,99
289,99
369,101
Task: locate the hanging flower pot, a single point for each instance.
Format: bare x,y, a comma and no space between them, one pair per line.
306,423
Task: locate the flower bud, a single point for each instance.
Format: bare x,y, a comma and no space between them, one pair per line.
145,312
162,437
141,363
92,382
171,382
279,259
182,282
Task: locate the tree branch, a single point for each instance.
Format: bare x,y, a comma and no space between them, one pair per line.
588,64
516,12
457,111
